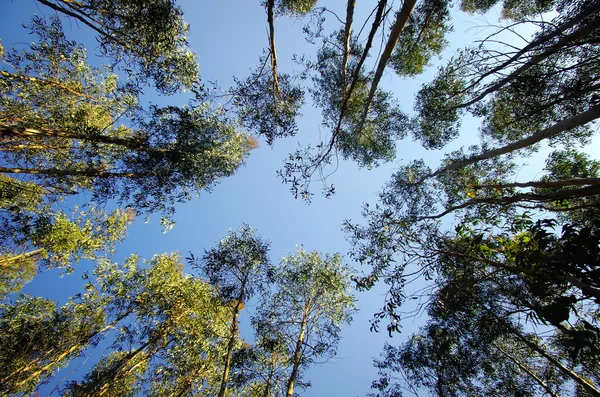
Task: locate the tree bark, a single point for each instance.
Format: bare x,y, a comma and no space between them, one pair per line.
347,36
61,356
348,94
543,184
132,144
540,40
230,344
527,197
584,383
7,261
401,20
270,19
298,352
92,173
576,121
528,371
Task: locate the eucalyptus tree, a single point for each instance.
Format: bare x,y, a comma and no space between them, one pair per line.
37,338
535,278
527,96
170,342
417,34
311,301
239,268
147,38
55,240
69,127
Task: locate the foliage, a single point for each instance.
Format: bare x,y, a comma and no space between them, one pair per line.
147,37
303,316
76,129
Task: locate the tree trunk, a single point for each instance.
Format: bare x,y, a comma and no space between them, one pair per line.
298,352
576,121
92,173
129,143
565,41
270,7
37,80
230,345
348,94
7,261
543,184
401,20
347,36
62,356
540,40
584,383
528,371
526,197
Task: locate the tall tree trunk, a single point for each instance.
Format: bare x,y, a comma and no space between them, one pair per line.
401,20
538,41
348,93
37,80
576,121
528,371
129,143
40,371
584,383
270,19
7,261
298,352
347,36
230,345
543,184
521,197
92,173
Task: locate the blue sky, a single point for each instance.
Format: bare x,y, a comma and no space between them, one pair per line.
229,36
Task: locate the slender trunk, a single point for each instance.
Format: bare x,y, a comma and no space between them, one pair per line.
7,261
298,352
100,385
584,383
92,173
565,41
267,392
347,36
128,143
540,40
356,75
40,81
62,356
543,184
270,7
576,121
528,371
574,281
527,197
231,344
401,20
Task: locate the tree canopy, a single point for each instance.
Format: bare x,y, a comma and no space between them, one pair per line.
504,256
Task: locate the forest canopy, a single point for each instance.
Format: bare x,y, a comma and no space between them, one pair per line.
491,238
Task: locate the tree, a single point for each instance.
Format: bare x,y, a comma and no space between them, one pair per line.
37,338
53,240
239,267
169,341
488,285
79,129
312,300
361,128
148,38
